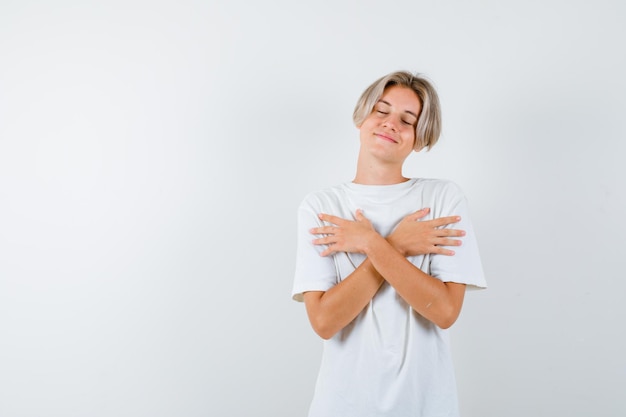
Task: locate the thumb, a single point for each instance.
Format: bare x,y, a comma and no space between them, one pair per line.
419,214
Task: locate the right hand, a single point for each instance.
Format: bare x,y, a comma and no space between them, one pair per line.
344,235
413,237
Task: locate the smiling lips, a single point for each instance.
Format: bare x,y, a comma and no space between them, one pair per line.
385,137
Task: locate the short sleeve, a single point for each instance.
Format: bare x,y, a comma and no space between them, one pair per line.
313,272
465,266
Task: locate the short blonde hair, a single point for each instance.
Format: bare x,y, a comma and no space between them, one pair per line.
428,126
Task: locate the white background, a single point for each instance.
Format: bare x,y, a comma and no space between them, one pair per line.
153,154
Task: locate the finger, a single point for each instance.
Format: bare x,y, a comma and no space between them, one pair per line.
450,232
359,216
443,251
324,230
419,214
448,242
444,221
327,251
324,240
330,218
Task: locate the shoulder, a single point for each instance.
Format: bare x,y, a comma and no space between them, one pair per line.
442,196
321,199
441,187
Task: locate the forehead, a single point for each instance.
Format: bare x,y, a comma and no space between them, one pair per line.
404,98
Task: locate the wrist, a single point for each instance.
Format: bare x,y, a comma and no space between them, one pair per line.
373,242
396,245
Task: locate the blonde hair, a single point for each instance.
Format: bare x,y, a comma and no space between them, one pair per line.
428,126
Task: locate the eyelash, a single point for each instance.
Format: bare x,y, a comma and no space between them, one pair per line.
404,121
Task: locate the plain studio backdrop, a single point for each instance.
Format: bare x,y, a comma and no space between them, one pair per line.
153,155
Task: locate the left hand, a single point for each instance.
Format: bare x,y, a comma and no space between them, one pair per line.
413,237
344,235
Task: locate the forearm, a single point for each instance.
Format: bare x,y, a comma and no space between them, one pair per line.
437,301
332,310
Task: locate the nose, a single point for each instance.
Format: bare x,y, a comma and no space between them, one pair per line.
391,122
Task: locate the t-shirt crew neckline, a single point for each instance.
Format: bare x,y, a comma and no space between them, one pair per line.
378,191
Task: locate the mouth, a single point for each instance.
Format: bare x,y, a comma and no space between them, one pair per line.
385,137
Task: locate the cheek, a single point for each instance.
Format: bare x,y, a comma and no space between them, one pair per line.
410,134
368,123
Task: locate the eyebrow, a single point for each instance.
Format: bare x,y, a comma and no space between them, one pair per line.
406,111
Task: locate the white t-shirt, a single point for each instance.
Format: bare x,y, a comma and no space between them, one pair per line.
389,361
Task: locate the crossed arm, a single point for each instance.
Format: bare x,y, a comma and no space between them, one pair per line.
440,302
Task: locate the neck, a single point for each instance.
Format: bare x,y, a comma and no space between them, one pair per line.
378,175
371,170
